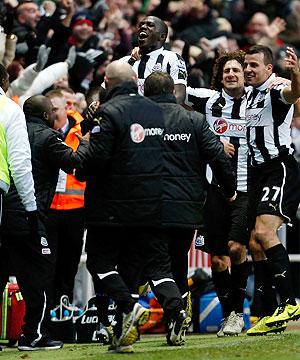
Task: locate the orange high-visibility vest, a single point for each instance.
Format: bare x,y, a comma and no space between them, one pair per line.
72,197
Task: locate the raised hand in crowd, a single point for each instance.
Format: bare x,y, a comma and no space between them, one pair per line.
71,58
275,28
69,7
42,58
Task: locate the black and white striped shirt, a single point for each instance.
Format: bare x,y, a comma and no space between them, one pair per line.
158,60
226,118
268,120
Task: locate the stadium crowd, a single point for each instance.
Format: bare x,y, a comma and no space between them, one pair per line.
77,68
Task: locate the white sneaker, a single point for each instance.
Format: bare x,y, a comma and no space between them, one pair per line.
220,333
234,324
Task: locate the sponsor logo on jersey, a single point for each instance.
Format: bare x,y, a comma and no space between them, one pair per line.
220,126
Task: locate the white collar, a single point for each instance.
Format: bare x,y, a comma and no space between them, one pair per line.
65,128
156,52
229,97
266,84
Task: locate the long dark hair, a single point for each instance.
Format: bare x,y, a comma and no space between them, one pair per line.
219,64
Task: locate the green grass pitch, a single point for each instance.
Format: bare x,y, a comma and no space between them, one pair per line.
285,346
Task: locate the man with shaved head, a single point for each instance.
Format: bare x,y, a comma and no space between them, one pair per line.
152,34
31,255
124,217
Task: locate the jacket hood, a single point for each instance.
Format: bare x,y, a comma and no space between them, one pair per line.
126,87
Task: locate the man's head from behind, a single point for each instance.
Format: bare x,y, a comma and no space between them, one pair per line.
158,83
152,33
41,107
117,72
28,13
258,65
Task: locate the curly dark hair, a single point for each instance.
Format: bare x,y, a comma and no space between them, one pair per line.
216,82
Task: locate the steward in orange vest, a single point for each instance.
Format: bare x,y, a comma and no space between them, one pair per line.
70,192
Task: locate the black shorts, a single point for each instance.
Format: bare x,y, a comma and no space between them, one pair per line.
275,190
225,221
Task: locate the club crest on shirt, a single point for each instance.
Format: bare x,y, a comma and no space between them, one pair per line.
157,67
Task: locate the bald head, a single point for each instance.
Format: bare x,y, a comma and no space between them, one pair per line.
118,72
39,106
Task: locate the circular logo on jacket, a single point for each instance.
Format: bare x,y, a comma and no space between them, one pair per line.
220,126
137,133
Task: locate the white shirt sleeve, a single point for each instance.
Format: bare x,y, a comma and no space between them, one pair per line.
19,155
46,78
200,93
23,82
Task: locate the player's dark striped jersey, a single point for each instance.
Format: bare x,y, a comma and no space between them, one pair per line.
226,118
158,60
268,121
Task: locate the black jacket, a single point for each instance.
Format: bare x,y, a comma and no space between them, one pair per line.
125,162
146,165
189,145
48,153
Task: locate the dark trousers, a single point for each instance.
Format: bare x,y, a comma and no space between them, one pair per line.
33,266
137,251
180,244
65,230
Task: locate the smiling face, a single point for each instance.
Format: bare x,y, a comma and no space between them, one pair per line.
256,71
82,32
151,33
233,76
